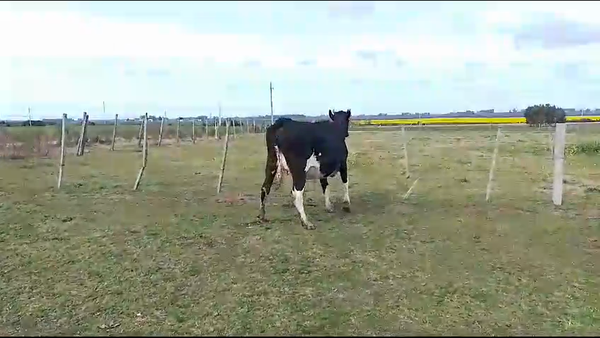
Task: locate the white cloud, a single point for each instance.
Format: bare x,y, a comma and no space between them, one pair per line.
69,34
58,56
515,13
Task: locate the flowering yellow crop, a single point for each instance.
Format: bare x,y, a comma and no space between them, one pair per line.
462,120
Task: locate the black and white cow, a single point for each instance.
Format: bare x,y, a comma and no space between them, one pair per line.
307,151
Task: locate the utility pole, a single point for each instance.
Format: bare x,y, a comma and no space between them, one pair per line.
271,92
103,109
29,115
219,113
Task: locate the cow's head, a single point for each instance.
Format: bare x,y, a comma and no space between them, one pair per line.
341,118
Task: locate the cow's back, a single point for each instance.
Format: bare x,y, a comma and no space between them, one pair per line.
296,138
301,140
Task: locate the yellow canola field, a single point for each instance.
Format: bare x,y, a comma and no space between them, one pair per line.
464,120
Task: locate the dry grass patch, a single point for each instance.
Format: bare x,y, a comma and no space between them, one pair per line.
173,258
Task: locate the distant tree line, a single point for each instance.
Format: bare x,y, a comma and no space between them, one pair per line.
544,114
33,123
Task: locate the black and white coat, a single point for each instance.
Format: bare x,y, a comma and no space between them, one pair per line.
307,151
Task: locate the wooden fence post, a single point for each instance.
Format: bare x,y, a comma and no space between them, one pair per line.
62,150
405,153
224,160
82,136
178,126
114,136
488,190
194,131
140,133
160,130
85,125
559,159
144,154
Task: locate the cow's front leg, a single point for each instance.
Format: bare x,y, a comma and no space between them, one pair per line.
270,171
325,187
299,177
344,177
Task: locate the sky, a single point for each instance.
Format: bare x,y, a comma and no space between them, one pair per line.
372,57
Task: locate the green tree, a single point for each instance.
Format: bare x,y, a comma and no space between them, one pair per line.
544,114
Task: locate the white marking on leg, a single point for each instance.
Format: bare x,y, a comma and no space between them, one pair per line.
346,206
346,194
328,205
299,204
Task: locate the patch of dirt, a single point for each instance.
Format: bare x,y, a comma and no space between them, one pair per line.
238,199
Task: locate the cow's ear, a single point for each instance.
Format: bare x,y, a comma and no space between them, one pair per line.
349,113
330,114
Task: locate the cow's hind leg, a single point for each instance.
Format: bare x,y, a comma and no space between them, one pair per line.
270,171
299,178
325,187
344,177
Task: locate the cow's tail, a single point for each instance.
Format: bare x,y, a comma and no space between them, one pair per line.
275,159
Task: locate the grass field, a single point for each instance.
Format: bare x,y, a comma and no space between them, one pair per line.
173,258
